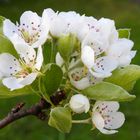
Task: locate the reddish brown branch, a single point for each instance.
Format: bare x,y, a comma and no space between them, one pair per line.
36,110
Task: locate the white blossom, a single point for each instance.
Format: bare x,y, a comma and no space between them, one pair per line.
120,50
62,23
32,29
79,79
100,67
79,103
99,39
103,51
106,117
17,73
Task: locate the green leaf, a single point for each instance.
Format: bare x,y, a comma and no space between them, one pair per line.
107,92
60,118
6,46
49,52
125,77
52,78
124,33
6,93
1,24
66,45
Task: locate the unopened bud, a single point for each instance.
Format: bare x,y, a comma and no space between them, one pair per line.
79,103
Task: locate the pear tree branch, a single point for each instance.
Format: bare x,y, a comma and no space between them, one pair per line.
36,110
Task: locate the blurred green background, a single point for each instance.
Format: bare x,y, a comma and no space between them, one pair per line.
126,13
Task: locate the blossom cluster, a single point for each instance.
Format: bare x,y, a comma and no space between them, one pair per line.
96,52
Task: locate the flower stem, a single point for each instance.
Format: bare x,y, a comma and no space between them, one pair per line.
75,90
86,121
71,88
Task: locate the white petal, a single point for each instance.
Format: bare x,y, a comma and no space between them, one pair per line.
107,106
108,132
39,59
44,34
100,75
9,28
132,54
9,64
128,44
78,79
71,19
12,83
121,51
87,24
56,23
96,42
105,65
124,60
29,79
107,29
120,47
81,84
49,14
16,39
16,83
59,60
115,120
87,56
98,121
58,27
70,16
29,17
27,53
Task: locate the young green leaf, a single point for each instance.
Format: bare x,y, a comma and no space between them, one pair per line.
49,52
6,46
66,45
60,118
52,78
107,92
125,77
124,33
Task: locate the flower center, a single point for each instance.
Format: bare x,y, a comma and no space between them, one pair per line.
79,74
30,33
26,69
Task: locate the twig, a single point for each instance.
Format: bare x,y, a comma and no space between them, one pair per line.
36,110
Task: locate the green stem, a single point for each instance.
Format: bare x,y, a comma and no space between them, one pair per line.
62,85
86,121
75,90
37,93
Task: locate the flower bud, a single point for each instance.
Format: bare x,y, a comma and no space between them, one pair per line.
66,45
79,103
